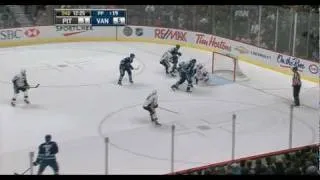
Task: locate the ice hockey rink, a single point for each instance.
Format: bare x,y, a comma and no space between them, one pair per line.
79,103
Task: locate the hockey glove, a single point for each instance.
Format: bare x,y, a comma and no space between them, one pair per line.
155,106
35,163
179,53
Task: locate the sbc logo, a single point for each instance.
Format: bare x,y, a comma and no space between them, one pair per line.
32,33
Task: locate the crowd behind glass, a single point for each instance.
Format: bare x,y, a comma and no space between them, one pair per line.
237,22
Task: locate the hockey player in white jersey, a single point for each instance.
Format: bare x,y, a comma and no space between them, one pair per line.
20,83
201,74
150,104
165,61
171,56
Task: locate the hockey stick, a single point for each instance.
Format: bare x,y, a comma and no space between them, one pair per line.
23,172
137,68
165,109
36,86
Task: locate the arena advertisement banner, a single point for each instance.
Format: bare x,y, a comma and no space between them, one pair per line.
170,34
26,33
32,32
245,52
306,67
11,34
86,32
153,34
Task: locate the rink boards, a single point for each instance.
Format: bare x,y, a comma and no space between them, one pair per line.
244,52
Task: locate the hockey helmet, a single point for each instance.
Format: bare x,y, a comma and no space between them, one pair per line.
23,72
193,61
154,91
48,138
132,55
295,68
177,46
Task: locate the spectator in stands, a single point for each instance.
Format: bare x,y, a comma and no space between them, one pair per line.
41,18
270,165
157,22
279,170
260,168
220,171
150,17
235,169
181,21
312,170
244,167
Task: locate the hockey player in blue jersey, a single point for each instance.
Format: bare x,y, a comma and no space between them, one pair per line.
125,66
171,56
47,156
186,72
20,83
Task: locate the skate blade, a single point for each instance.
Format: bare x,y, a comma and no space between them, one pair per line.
156,123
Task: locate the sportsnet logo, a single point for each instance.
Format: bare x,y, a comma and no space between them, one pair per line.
170,34
72,30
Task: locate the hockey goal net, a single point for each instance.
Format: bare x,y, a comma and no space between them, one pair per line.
227,67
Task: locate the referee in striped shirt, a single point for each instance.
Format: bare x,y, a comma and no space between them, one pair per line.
296,84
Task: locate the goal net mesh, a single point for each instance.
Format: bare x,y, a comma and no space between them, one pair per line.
227,66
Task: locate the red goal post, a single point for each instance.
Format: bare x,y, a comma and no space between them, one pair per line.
229,57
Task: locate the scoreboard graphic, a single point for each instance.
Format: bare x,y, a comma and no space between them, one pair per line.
92,17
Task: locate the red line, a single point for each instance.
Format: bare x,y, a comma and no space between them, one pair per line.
72,33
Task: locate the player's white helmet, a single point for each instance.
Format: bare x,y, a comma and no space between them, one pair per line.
23,72
154,91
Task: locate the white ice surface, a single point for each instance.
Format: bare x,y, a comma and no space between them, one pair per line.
78,99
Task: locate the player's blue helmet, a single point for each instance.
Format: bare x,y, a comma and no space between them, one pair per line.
48,138
295,68
132,55
154,91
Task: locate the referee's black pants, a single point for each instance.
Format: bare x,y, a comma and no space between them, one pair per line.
296,92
